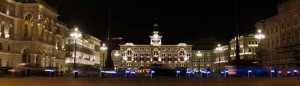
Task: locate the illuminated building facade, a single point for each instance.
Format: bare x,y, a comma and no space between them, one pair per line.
136,56
280,48
248,45
87,49
30,33
221,56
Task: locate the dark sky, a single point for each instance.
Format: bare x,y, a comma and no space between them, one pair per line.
179,20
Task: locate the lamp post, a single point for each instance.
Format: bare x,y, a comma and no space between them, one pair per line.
259,36
102,48
199,54
219,49
76,34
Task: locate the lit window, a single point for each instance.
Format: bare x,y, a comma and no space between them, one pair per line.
207,64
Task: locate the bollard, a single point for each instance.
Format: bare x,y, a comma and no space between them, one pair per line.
272,73
201,74
132,74
295,73
75,72
188,73
126,73
207,73
279,73
177,73
226,74
193,74
288,73
249,73
222,74
152,72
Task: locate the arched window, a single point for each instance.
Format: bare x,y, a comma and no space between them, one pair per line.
28,25
129,51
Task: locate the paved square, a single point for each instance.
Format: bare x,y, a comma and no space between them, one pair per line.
68,81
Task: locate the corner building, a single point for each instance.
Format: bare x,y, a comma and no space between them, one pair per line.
30,33
281,47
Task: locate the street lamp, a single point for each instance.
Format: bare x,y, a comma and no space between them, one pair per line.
219,49
259,36
76,34
199,54
102,48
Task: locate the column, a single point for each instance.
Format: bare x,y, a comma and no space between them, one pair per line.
53,62
34,56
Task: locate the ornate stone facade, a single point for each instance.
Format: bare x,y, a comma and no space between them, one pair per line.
248,46
137,56
280,48
87,50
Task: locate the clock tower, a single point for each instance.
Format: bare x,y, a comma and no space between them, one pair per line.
155,38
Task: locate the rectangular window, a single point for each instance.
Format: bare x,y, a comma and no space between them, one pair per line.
129,59
141,59
207,59
148,59
135,58
155,59
181,59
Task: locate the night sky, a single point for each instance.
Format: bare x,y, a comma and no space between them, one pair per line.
179,20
